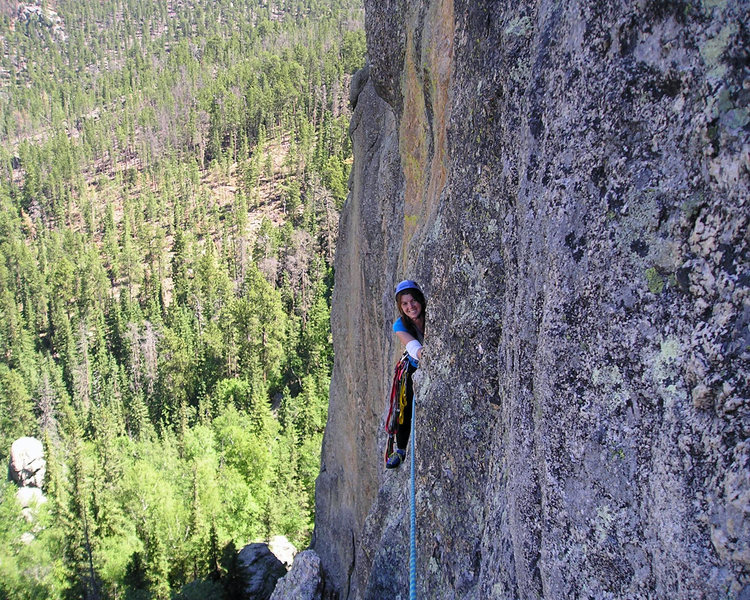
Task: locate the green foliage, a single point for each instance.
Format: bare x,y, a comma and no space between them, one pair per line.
170,181
16,410
244,444
257,320
29,568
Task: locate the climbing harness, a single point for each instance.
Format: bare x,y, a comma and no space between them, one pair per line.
397,403
396,408
395,417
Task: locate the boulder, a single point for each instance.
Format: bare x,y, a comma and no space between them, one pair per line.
30,498
283,549
303,582
27,464
261,569
27,537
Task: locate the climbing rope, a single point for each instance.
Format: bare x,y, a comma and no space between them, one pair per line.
413,521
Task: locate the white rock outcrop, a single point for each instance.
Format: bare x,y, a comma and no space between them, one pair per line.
283,549
27,469
27,464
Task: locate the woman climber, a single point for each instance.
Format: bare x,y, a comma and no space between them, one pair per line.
409,328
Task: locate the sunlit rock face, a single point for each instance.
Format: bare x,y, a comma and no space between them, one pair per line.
27,466
569,181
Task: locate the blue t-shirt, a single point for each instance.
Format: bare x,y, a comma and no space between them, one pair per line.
398,325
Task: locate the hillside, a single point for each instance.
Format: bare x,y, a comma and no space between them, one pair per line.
171,175
569,182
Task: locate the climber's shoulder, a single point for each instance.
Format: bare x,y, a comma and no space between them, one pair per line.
398,325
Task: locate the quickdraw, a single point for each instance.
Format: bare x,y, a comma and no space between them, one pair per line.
397,402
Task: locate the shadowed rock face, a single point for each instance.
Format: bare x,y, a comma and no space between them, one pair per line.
351,462
261,570
569,181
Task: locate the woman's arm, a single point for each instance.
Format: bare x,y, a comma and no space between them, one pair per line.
405,337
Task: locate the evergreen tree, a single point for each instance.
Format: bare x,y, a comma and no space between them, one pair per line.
16,408
156,568
83,580
152,308
135,581
233,580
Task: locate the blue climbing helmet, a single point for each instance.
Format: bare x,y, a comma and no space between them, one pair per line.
408,284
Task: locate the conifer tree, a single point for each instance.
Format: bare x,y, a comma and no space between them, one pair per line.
233,580
16,408
137,287
156,567
83,580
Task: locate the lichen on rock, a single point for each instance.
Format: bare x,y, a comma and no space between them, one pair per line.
569,182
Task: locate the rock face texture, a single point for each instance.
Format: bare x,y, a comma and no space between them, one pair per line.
570,183
303,582
350,463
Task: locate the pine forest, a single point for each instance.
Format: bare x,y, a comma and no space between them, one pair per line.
171,175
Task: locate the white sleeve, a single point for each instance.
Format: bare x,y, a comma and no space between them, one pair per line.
413,348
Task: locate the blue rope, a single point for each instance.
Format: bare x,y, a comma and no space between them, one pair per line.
413,523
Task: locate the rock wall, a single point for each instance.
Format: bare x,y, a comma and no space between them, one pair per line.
570,182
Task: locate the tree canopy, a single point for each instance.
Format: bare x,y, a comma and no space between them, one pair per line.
170,180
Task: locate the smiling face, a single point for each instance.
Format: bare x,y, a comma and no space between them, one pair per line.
410,306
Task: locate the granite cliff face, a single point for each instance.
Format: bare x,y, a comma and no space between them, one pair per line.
569,180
